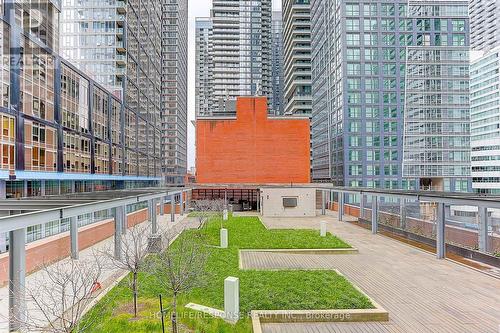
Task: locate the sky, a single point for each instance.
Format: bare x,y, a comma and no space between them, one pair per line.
198,8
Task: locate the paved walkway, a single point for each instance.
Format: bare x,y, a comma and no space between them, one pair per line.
421,293
109,274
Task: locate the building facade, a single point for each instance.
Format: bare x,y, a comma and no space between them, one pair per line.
484,24
359,64
174,53
297,56
252,147
241,52
485,122
276,104
204,73
62,131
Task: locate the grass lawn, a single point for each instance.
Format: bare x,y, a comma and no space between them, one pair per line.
259,290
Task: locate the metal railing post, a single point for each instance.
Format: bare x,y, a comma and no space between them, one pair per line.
374,214
323,203
341,206
73,231
440,231
17,276
483,229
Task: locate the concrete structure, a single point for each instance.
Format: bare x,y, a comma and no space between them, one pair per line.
252,147
174,118
484,24
61,131
297,54
359,55
276,103
485,122
241,51
204,67
287,202
232,299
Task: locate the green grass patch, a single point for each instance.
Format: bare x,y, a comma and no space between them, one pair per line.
259,290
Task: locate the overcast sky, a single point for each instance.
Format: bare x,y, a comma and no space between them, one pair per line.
198,8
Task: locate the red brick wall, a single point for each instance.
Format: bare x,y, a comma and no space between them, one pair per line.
252,148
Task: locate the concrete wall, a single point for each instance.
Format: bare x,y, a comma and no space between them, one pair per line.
272,202
252,148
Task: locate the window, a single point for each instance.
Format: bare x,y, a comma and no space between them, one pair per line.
371,84
353,54
352,9
352,24
353,83
289,202
458,25
352,39
458,40
370,9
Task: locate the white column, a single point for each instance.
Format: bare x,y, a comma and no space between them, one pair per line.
42,188
322,231
3,189
25,188
17,275
232,298
73,231
224,239
225,215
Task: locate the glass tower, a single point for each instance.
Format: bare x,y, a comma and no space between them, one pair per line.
359,64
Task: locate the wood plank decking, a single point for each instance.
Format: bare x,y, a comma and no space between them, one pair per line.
421,293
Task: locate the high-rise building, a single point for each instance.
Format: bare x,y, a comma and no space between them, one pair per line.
484,24
204,74
485,122
241,52
174,54
276,103
297,55
62,131
359,64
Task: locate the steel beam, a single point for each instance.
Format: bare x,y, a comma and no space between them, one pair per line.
440,232
17,275
73,232
483,229
374,214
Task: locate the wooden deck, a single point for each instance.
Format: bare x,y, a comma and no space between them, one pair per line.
421,293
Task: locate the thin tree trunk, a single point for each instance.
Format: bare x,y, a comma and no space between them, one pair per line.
134,286
174,313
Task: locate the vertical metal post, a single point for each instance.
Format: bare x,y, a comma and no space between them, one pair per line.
341,206
172,208
402,213
162,206
73,186
483,229
123,213
374,214
440,230
181,203
118,233
153,217
361,206
186,205
73,231
17,275
59,187
323,203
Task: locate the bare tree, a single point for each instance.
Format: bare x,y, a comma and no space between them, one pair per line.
207,209
60,299
134,250
181,267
